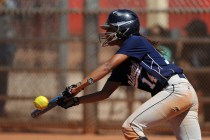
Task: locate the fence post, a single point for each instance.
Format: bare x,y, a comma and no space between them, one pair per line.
90,60
63,48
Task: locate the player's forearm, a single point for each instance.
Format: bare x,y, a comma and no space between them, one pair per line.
94,97
96,75
107,90
101,71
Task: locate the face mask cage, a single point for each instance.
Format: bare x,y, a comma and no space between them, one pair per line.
107,37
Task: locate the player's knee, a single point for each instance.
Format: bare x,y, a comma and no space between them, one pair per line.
132,131
129,134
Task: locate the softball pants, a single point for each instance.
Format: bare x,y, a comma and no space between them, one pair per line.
177,104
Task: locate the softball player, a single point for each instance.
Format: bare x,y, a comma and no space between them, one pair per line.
138,63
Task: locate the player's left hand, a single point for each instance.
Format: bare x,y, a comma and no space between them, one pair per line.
68,102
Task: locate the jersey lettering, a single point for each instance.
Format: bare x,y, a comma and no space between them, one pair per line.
134,75
151,85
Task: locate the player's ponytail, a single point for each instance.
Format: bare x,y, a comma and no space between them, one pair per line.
154,43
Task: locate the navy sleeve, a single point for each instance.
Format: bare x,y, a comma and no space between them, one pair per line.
116,76
120,73
134,46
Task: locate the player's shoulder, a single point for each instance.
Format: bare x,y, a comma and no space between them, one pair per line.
134,39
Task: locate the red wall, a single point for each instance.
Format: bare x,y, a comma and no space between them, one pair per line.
180,21
175,20
75,21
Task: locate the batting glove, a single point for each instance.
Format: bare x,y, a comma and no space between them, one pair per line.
68,102
67,92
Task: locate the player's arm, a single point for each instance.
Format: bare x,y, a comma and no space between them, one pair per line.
100,72
106,91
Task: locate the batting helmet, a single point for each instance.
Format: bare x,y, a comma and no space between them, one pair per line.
120,24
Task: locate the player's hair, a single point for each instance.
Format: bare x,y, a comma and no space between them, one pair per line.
154,43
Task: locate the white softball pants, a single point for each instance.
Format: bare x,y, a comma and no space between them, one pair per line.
177,104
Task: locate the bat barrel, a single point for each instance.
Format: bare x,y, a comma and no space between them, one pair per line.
52,104
37,112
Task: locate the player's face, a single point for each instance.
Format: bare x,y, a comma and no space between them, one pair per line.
108,38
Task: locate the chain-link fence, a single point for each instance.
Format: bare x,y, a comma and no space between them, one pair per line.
47,45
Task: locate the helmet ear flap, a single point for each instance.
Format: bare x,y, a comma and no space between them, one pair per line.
122,34
119,35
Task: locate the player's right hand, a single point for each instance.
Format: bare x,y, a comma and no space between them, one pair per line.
67,92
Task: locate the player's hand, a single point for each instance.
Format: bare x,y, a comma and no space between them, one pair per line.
67,93
68,102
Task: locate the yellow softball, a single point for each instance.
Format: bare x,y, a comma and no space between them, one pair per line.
41,102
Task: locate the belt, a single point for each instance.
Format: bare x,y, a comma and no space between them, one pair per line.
180,76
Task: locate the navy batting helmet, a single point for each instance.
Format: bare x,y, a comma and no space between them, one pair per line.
120,24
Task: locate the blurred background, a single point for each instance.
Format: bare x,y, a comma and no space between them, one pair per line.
46,45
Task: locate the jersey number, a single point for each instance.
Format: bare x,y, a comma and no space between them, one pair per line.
151,85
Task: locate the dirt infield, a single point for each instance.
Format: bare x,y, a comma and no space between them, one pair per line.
47,136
